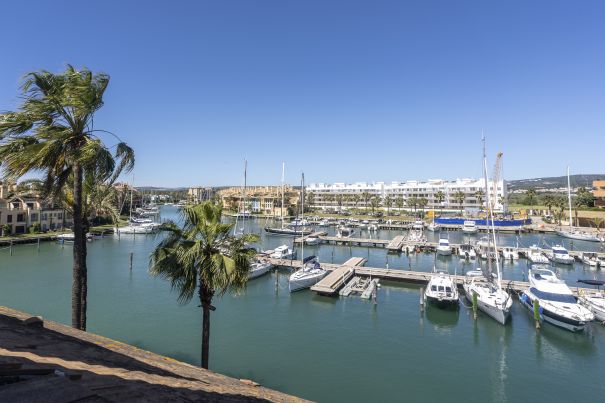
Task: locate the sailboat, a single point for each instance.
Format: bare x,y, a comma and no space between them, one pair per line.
242,213
311,271
294,229
575,233
433,226
491,298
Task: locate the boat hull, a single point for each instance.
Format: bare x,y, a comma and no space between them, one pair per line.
288,231
546,315
308,281
578,237
499,315
443,303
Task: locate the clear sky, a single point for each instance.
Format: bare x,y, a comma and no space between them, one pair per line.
345,90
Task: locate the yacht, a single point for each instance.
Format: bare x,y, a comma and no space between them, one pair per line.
312,240
491,299
68,237
467,251
293,231
283,252
510,253
323,223
433,227
416,236
559,254
136,229
558,305
593,300
259,268
442,291
418,225
344,232
444,248
536,256
469,227
590,259
308,275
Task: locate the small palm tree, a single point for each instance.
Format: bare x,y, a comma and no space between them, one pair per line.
549,202
388,202
202,256
440,197
530,196
374,203
399,202
560,203
479,195
422,203
459,197
356,199
366,197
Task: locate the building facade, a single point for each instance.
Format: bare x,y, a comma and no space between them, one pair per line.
402,193
599,193
20,213
260,199
199,194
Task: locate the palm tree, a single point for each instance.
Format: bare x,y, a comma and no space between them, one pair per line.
53,133
366,197
356,199
560,203
374,202
309,200
459,197
479,195
530,196
202,256
440,196
399,202
412,202
388,202
339,199
549,202
422,202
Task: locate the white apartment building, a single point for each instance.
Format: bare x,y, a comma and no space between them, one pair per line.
327,195
199,194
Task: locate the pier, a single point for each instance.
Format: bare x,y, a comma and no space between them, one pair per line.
396,243
338,277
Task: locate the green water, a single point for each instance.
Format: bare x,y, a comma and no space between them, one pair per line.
321,348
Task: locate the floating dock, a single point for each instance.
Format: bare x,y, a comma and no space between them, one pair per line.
338,277
396,243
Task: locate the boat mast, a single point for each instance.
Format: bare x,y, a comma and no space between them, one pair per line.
244,206
569,200
283,170
490,206
302,218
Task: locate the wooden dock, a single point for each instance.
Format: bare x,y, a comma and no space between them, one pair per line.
405,276
316,234
330,284
396,243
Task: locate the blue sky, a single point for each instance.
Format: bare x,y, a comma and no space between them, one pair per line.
344,90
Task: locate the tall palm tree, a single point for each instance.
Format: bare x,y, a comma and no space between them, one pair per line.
388,202
459,197
530,197
374,203
356,199
53,134
479,195
440,197
412,202
366,197
399,202
422,203
560,203
549,202
202,256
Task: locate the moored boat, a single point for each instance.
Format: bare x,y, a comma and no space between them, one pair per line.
308,275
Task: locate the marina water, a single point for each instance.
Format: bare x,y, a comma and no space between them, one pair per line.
322,348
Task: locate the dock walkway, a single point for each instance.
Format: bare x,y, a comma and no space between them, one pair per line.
338,277
396,243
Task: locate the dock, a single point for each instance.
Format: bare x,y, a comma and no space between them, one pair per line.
338,277
396,243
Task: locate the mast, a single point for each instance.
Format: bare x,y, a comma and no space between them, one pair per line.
244,206
302,217
283,170
569,200
491,217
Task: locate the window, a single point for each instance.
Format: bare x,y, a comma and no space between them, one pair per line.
9,218
43,216
549,296
20,218
34,217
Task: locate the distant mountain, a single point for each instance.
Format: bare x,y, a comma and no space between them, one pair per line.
554,182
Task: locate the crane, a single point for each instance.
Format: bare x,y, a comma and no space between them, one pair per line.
495,180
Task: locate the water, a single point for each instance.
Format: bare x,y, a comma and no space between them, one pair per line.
322,348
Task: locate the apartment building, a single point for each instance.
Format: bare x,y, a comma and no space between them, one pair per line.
21,213
599,193
359,194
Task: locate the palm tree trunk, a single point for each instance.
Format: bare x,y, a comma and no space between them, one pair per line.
79,253
84,275
206,302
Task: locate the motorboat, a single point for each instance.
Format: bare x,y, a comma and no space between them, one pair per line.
416,236
344,232
593,300
259,268
418,225
372,227
68,237
467,251
312,240
469,227
590,259
510,253
536,256
558,305
444,248
292,231
491,299
323,223
484,249
136,229
283,252
433,227
442,291
559,254
308,275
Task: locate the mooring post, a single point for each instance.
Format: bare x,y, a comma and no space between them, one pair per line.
11,247
131,253
475,305
276,280
38,244
422,299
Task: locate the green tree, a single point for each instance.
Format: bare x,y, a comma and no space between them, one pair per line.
399,202
480,195
374,203
459,197
5,229
388,202
202,256
356,199
366,198
530,196
53,134
339,199
549,201
584,197
422,203
440,197
412,202
560,204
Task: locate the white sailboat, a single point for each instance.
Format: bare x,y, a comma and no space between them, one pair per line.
433,226
311,271
259,268
572,233
491,298
594,300
242,213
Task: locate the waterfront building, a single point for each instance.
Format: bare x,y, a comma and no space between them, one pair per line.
21,213
260,199
200,194
599,193
360,194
